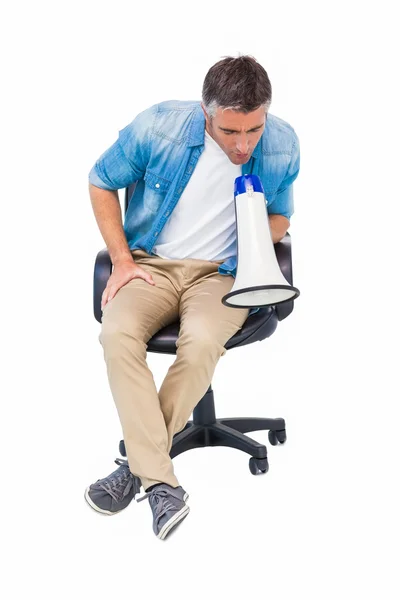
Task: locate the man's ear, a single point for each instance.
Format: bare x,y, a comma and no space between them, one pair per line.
204,110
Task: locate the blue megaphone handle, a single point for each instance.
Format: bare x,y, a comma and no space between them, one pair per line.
244,182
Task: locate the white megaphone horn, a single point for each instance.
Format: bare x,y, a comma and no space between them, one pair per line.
259,280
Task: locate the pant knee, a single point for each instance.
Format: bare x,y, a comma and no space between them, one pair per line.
200,350
116,337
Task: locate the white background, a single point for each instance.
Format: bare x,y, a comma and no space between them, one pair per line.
323,523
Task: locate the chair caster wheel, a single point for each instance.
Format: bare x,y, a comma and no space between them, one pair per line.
122,450
258,465
276,437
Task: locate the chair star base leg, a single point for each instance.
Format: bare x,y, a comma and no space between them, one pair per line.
206,430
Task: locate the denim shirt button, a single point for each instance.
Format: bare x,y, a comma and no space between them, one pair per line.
157,185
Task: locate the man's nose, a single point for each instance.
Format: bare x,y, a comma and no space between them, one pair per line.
242,144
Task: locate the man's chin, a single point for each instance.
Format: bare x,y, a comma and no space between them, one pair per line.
238,160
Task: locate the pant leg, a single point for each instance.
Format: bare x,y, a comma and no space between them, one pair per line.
129,320
205,326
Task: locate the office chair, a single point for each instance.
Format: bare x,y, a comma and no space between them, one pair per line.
205,429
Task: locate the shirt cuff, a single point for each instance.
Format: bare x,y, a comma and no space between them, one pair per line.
94,179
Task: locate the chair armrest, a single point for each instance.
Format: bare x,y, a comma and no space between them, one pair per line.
283,251
102,272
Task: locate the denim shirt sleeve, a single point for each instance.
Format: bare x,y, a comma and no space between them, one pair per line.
126,160
282,201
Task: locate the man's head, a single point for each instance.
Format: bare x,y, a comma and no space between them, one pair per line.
236,98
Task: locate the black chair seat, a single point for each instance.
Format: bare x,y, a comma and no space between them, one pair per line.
256,328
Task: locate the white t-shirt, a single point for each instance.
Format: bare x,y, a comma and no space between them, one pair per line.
203,224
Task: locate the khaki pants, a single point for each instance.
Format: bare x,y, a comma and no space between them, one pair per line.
190,291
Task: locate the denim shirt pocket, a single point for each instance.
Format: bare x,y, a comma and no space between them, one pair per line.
155,191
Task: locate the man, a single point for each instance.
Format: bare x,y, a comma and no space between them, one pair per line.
175,258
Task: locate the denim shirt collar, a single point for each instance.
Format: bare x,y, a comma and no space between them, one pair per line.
196,134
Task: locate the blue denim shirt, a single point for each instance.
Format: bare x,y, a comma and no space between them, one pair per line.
159,151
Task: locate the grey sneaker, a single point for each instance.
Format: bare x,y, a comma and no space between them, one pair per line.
113,493
168,506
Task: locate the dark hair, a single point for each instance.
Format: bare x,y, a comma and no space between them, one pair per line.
239,83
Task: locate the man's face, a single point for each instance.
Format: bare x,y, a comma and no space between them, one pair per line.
236,133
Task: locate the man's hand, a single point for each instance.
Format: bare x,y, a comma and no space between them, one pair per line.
122,273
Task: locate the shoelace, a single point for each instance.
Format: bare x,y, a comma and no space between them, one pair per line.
117,486
158,502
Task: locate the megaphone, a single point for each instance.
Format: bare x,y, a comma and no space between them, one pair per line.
259,280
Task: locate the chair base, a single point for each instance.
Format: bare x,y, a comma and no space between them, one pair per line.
206,430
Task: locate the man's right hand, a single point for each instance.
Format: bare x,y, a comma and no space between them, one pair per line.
122,273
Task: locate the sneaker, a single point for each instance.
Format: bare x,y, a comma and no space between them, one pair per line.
168,506
113,493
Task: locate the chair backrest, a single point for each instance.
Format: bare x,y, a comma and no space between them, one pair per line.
128,195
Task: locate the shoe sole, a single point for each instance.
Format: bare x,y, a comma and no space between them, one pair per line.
97,509
109,512
173,522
